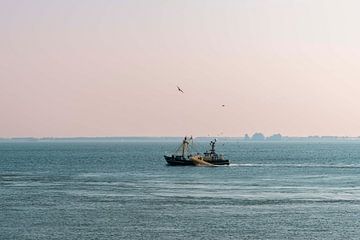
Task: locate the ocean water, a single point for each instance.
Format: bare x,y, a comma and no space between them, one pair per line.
124,190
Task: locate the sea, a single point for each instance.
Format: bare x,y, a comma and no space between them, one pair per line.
123,189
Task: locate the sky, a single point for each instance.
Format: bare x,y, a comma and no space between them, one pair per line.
110,68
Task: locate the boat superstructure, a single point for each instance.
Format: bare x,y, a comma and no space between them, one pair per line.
210,157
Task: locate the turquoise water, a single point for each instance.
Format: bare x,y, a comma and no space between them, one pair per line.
124,190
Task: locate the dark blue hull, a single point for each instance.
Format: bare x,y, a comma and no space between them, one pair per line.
178,161
218,162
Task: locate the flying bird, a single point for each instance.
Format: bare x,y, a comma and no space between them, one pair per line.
180,90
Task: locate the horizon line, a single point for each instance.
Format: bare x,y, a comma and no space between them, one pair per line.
163,136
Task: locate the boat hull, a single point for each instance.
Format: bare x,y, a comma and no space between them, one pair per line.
219,162
178,161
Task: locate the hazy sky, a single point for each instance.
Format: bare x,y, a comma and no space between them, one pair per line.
110,68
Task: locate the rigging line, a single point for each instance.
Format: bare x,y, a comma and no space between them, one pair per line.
195,148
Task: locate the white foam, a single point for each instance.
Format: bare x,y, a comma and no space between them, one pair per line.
295,165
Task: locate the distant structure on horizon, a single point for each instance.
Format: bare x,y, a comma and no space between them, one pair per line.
246,137
275,137
261,137
258,137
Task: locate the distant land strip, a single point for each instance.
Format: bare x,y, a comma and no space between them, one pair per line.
257,137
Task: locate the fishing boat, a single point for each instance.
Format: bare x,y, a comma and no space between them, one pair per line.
184,157
210,158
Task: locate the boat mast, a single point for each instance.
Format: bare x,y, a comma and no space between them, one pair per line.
212,144
184,146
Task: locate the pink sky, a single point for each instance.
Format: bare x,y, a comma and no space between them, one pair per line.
110,68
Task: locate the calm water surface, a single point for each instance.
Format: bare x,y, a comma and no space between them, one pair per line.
124,190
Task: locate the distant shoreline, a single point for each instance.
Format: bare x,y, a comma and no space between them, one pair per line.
177,139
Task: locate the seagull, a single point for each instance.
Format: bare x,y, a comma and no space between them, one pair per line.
180,90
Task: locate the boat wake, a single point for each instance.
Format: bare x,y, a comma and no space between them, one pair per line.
295,165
